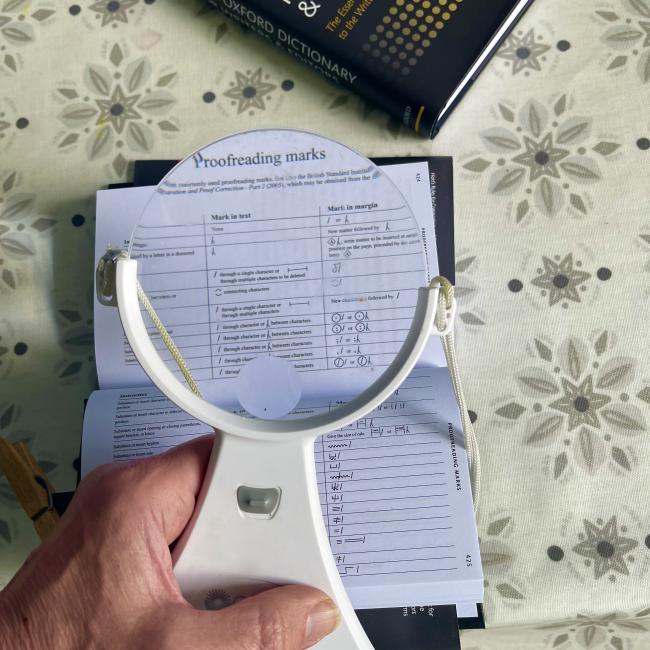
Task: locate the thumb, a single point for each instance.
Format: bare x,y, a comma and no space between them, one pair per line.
286,618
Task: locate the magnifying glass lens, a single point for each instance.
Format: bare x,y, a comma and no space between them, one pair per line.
284,266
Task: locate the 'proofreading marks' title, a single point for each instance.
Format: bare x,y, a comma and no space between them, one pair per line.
258,158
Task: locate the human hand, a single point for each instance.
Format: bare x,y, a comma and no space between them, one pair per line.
104,578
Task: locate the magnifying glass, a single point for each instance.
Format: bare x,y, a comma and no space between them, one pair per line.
275,288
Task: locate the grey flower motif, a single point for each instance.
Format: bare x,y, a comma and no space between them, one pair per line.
126,106
561,279
76,340
220,26
605,547
113,11
610,631
645,238
466,291
646,28
499,560
118,109
523,52
541,157
627,34
12,124
20,226
250,91
580,403
577,397
17,21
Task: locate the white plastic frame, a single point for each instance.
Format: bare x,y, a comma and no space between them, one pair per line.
223,550
421,329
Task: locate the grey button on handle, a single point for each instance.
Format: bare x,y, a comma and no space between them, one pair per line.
262,502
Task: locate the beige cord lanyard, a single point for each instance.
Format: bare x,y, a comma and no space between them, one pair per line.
446,306
34,491
446,303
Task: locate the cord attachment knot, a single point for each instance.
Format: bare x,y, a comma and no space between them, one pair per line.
446,309
105,276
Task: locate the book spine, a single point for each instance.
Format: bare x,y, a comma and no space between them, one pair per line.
419,118
486,58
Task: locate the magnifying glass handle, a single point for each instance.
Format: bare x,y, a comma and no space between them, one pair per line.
258,524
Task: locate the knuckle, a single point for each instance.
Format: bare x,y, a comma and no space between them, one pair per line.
108,485
97,482
102,480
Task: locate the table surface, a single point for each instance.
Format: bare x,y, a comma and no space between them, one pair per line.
552,171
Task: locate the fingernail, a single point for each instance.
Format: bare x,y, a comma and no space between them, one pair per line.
322,620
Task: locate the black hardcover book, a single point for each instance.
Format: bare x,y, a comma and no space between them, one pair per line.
413,58
411,628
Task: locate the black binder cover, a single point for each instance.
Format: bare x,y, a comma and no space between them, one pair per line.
404,628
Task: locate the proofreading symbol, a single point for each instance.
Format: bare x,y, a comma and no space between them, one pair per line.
336,282
347,253
308,8
336,267
338,362
336,317
331,241
337,329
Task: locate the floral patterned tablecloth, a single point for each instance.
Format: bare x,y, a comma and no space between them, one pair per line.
552,177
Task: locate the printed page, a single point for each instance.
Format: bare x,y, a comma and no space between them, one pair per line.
397,500
118,211
394,486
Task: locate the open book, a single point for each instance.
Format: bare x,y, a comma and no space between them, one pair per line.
394,486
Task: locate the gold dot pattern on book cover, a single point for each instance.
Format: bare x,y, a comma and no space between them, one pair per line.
407,30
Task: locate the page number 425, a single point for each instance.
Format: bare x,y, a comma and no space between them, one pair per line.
468,560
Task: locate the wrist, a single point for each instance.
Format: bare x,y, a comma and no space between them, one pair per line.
28,622
15,631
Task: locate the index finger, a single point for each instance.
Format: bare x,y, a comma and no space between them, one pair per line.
171,482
